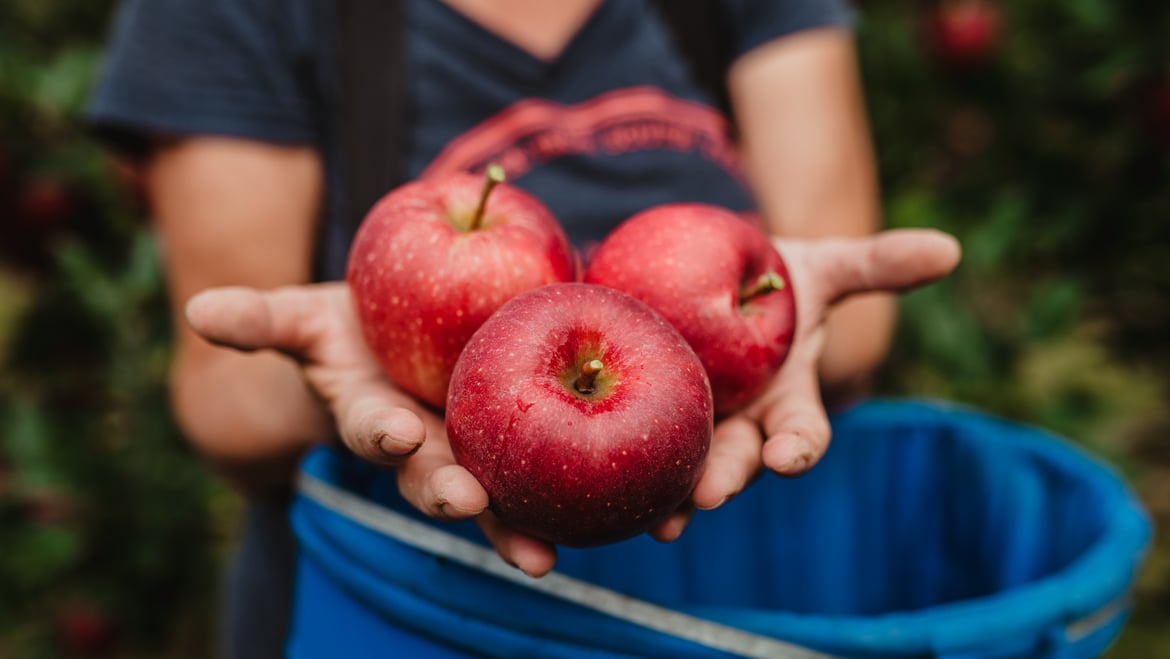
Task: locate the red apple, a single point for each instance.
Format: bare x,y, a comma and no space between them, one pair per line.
86,630
963,32
434,258
584,414
1155,109
47,204
718,279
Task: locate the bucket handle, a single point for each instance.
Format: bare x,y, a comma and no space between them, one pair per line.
427,538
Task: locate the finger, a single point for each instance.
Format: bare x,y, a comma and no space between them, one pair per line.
530,555
793,415
895,260
434,484
377,423
285,319
669,529
732,463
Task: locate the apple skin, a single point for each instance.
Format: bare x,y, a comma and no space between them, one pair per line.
964,32
690,263
580,469
422,282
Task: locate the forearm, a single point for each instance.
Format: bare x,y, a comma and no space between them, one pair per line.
250,415
237,213
858,339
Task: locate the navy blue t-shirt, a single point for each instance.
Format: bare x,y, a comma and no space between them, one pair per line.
613,125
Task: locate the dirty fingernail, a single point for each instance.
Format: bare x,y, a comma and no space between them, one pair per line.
388,444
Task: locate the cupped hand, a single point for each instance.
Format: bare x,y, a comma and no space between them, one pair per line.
786,429
316,325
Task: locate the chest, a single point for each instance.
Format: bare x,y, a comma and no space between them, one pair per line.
540,28
610,124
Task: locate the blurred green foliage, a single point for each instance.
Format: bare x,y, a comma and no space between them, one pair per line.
1037,131
108,524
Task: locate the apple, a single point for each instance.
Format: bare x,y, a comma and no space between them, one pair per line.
582,412
964,32
1155,109
86,630
47,204
717,278
434,258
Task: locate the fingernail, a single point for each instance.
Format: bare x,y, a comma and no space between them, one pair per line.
451,511
796,458
387,444
715,505
797,465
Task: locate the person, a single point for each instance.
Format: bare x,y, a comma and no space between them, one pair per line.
231,107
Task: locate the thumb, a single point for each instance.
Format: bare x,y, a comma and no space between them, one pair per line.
285,319
892,261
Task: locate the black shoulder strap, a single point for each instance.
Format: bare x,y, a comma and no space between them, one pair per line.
701,34
370,51
370,48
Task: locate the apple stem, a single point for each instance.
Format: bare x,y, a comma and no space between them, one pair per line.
766,283
589,370
493,176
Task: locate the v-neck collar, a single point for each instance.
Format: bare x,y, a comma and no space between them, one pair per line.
448,24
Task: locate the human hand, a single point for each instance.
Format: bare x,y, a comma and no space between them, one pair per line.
786,428
316,326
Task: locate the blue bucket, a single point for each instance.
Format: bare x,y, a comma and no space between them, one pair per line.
927,530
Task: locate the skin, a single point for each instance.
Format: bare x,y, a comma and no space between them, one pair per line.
810,159
267,365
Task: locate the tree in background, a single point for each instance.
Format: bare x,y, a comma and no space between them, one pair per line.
1038,131
108,524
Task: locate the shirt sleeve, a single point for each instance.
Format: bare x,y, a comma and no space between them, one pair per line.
186,67
754,22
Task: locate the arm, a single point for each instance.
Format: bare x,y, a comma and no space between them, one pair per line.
808,153
236,212
239,216
317,327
